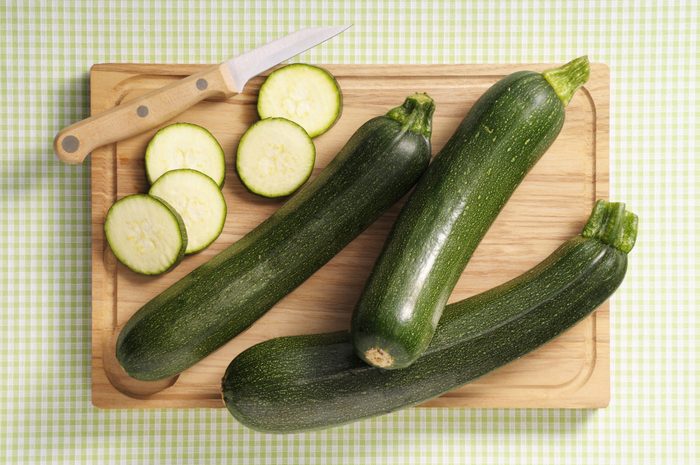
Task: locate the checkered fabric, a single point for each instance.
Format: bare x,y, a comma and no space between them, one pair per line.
46,51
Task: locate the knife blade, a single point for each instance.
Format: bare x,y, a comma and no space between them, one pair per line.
73,143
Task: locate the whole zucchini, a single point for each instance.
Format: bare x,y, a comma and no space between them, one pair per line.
299,383
501,138
224,296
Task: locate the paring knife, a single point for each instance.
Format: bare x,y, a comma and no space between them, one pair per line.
72,144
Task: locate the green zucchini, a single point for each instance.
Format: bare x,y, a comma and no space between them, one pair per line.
504,134
307,382
221,298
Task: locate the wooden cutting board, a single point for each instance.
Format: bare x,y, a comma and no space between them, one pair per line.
549,207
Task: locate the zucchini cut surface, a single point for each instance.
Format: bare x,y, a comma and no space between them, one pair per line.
306,94
185,145
145,234
275,157
198,200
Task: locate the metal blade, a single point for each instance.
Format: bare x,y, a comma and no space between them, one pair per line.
251,63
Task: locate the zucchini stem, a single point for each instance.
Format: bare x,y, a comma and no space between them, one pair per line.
416,113
612,224
567,79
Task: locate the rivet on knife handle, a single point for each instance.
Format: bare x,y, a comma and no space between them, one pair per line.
75,142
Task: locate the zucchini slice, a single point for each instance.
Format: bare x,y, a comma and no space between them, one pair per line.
198,200
185,145
305,94
146,234
275,156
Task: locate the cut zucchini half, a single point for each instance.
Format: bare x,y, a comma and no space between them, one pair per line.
308,95
146,234
185,145
198,200
275,156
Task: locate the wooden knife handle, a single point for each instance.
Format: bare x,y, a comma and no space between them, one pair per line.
74,143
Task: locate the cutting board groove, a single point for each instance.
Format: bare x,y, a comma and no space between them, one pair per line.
550,206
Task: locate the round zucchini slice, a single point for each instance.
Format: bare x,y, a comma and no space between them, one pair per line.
198,200
185,145
308,95
146,234
275,156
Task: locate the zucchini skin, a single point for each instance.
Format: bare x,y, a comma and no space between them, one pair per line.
223,297
502,137
300,383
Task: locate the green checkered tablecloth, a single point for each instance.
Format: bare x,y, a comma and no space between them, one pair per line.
47,48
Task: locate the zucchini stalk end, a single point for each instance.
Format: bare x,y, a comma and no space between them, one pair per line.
568,78
612,224
416,113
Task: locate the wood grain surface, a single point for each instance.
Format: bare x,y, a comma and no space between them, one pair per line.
550,206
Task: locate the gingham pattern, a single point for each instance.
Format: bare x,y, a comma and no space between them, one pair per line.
46,51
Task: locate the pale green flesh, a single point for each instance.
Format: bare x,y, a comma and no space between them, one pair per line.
185,145
275,156
305,94
198,200
144,234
